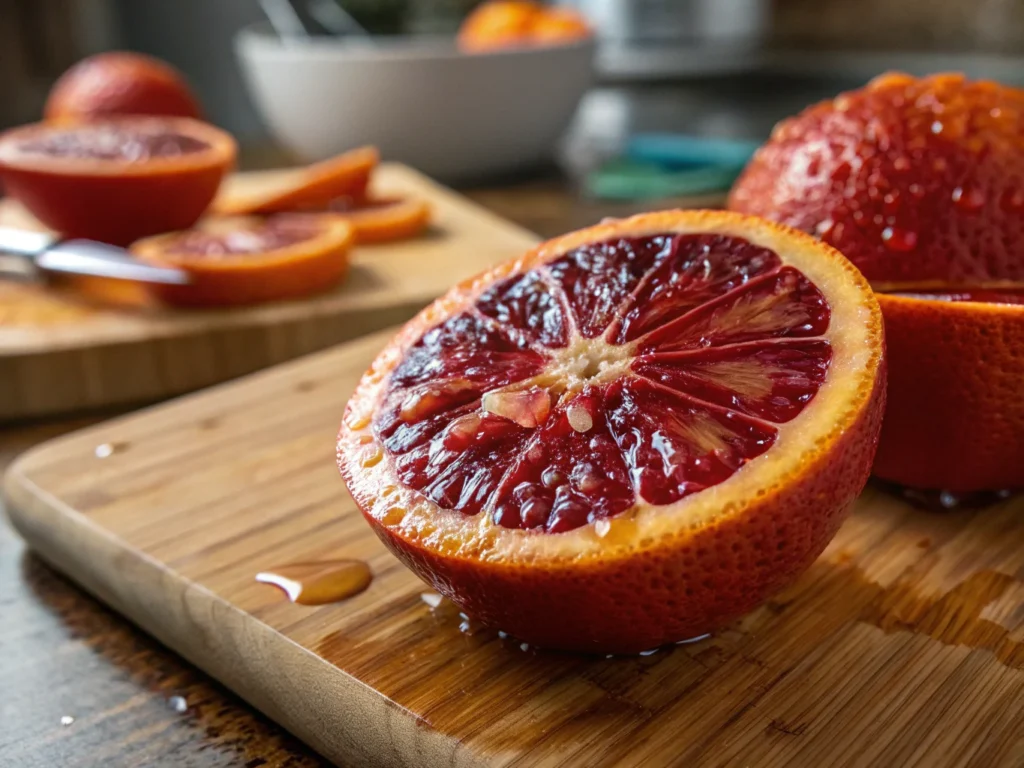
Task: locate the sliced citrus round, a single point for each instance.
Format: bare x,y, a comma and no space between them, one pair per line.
312,187
120,83
116,180
920,182
383,219
238,260
628,437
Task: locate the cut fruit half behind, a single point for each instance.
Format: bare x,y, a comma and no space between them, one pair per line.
240,260
628,437
118,179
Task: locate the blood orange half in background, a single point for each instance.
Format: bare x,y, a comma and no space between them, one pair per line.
920,182
628,437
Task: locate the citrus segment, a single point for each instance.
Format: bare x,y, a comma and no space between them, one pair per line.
769,380
519,410
699,268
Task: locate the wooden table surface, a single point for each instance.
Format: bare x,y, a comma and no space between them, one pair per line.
63,655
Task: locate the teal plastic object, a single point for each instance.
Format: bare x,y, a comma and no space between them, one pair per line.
658,165
678,151
626,180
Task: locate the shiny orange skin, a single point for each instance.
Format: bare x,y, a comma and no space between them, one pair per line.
940,159
956,416
118,201
920,183
306,268
652,591
309,188
398,219
120,83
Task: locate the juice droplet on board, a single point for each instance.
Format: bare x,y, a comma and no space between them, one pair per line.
319,583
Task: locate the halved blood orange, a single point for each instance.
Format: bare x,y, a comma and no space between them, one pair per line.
119,179
312,187
628,437
920,182
383,219
238,260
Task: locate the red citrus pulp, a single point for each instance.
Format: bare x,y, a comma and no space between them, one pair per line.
628,437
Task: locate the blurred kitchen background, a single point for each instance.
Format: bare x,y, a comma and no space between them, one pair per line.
723,68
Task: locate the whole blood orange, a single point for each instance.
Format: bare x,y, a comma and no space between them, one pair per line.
120,83
920,182
315,186
235,261
383,219
629,436
116,180
499,24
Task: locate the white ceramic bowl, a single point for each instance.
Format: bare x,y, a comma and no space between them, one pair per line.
453,116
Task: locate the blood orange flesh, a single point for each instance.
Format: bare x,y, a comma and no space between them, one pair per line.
597,409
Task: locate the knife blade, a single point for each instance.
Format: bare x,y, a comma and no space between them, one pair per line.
46,253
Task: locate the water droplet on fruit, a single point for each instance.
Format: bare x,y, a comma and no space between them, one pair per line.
937,127
602,527
552,478
432,599
824,227
535,512
970,199
899,240
579,417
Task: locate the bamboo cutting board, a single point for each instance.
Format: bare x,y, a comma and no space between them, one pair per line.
61,354
902,646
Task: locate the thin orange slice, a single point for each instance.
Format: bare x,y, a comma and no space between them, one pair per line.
631,435
384,219
312,187
235,261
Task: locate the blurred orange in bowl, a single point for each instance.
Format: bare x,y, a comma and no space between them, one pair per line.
520,23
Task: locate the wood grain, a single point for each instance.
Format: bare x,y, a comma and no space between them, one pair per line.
60,354
903,645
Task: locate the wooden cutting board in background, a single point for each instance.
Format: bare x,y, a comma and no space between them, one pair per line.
82,356
902,646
